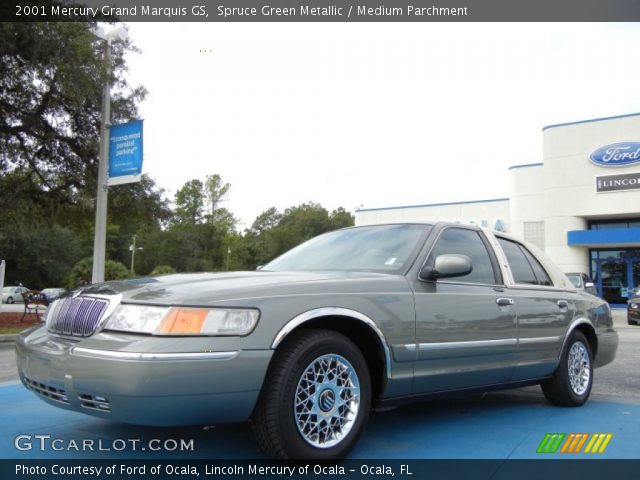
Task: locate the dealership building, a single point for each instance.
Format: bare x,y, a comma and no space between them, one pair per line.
581,205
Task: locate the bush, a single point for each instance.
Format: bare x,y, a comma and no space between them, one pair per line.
162,270
81,272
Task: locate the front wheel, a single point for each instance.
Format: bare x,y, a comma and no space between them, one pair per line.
316,398
571,385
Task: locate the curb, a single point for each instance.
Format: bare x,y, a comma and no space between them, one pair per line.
9,337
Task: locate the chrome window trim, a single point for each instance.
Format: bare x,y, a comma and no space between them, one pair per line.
334,311
118,355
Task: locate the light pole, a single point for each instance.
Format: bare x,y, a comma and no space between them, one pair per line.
100,235
133,249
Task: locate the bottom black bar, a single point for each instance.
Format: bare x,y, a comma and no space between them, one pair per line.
578,469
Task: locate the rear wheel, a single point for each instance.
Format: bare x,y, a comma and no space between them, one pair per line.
571,385
316,398
10,300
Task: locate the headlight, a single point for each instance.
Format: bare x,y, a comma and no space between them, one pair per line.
633,305
182,320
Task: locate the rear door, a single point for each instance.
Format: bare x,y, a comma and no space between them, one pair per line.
543,312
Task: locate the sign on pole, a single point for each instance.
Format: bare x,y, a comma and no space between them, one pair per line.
125,153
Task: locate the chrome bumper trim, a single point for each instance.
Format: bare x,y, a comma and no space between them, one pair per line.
117,355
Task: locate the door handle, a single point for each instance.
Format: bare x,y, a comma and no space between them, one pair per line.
504,302
563,304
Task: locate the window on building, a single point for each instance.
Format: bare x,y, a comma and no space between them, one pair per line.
534,233
461,241
608,224
524,266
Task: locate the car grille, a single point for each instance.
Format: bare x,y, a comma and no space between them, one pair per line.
94,402
78,317
57,394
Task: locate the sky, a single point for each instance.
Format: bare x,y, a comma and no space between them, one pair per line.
371,114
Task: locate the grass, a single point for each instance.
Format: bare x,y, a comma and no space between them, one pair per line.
4,330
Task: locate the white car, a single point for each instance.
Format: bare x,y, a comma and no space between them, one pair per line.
13,294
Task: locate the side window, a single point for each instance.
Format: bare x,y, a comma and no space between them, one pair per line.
461,241
524,267
541,274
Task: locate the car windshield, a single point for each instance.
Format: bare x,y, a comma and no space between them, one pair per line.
384,248
575,280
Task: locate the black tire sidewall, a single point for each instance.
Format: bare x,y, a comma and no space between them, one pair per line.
296,445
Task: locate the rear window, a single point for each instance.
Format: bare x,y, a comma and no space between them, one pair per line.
525,268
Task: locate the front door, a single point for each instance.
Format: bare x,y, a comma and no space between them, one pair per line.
464,336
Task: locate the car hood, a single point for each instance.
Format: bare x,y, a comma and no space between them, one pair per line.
208,288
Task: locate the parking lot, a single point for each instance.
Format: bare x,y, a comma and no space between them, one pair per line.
499,425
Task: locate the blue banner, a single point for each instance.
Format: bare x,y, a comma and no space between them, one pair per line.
125,152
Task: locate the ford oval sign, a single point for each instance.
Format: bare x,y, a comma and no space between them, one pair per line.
617,154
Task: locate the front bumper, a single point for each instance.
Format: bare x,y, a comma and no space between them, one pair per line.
633,315
142,379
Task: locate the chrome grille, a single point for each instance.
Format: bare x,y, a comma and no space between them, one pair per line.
48,391
78,317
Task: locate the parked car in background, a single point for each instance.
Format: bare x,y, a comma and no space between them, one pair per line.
582,281
52,294
13,294
353,319
633,310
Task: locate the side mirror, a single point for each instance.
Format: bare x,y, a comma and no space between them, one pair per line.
447,266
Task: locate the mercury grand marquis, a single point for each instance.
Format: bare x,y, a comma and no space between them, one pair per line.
303,348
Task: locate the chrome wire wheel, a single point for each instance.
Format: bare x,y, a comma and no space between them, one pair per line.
327,401
579,366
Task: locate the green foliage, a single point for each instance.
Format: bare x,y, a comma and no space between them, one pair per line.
51,80
81,272
273,233
37,255
162,270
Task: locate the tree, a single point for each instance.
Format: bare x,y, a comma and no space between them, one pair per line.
51,79
273,233
51,76
189,202
216,190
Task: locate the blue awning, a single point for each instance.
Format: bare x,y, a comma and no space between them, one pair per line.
606,238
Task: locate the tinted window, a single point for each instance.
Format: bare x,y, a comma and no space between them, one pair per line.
466,242
575,280
524,267
541,274
384,248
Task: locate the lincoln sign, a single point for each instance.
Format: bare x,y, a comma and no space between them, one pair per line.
616,183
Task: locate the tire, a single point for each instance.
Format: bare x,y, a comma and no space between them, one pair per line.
294,386
10,300
631,322
571,384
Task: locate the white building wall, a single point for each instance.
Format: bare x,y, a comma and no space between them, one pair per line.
526,199
485,213
570,197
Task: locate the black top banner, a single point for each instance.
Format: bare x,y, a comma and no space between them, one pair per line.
322,10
